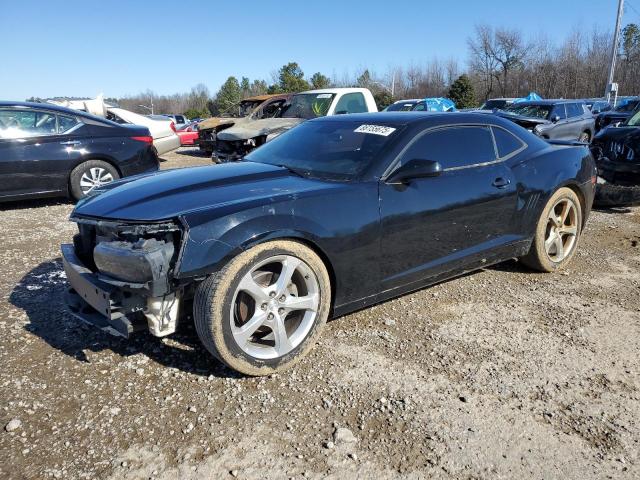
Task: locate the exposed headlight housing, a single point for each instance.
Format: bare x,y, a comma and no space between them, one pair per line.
146,260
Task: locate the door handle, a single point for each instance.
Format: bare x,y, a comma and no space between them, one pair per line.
501,182
70,142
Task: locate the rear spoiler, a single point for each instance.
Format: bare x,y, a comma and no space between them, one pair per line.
567,143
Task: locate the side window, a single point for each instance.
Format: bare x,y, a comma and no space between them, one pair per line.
453,147
351,103
559,111
506,142
180,119
22,123
66,123
573,110
420,107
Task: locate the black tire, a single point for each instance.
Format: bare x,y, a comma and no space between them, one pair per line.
537,258
214,297
75,187
584,137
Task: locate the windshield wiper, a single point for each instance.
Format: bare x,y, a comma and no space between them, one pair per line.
295,171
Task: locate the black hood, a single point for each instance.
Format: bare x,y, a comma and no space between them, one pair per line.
172,193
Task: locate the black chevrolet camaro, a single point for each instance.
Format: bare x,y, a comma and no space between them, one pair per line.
48,151
335,215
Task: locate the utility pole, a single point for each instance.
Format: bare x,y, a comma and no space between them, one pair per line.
612,87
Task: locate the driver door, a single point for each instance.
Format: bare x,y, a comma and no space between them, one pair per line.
432,226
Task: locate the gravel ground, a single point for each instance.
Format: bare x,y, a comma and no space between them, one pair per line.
504,373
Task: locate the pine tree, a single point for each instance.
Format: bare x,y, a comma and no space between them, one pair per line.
229,96
462,93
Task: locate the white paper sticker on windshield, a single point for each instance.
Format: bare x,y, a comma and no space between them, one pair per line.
324,95
375,129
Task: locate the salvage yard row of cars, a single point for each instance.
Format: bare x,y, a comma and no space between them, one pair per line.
298,225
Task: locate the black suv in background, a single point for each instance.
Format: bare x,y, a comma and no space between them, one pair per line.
619,114
553,119
47,150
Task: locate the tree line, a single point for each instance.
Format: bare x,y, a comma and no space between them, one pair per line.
501,63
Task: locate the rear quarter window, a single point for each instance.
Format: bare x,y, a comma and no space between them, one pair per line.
506,142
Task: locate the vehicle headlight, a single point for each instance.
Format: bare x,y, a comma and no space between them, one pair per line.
137,262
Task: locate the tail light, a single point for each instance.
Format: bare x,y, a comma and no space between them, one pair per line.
144,139
173,126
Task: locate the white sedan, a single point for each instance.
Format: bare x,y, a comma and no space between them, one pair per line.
163,132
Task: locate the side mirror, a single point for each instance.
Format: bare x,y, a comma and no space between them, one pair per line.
416,168
555,118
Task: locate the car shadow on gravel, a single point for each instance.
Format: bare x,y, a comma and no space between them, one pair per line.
193,152
613,210
40,295
34,203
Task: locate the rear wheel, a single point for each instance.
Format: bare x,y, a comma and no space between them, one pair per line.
557,233
264,310
89,175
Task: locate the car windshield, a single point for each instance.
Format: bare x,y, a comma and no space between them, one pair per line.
630,106
246,107
633,121
330,150
401,107
532,111
309,105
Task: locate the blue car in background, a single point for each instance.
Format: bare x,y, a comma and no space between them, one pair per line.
438,104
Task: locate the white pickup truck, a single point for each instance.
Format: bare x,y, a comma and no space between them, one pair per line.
247,134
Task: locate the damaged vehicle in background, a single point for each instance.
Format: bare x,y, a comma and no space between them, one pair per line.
617,154
330,217
624,110
235,142
261,106
553,119
165,138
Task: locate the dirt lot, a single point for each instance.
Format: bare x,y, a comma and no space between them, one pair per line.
501,374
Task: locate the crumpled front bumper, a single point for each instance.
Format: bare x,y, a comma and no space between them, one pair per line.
97,303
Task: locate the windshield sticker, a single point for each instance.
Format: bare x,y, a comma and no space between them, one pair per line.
375,129
324,95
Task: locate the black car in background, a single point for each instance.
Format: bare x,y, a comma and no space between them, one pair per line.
597,105
47,150
553,119
617,154
332,216
619,114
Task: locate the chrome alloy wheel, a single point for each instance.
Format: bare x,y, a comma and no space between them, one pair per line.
94,177
274,307
562,230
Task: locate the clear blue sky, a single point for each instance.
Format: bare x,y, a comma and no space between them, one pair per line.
118,47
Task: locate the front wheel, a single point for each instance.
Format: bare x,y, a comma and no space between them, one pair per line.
264,310
89,175
584,137
557,233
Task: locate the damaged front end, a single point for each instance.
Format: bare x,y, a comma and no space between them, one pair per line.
121,275
617,154
235,142
233,150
